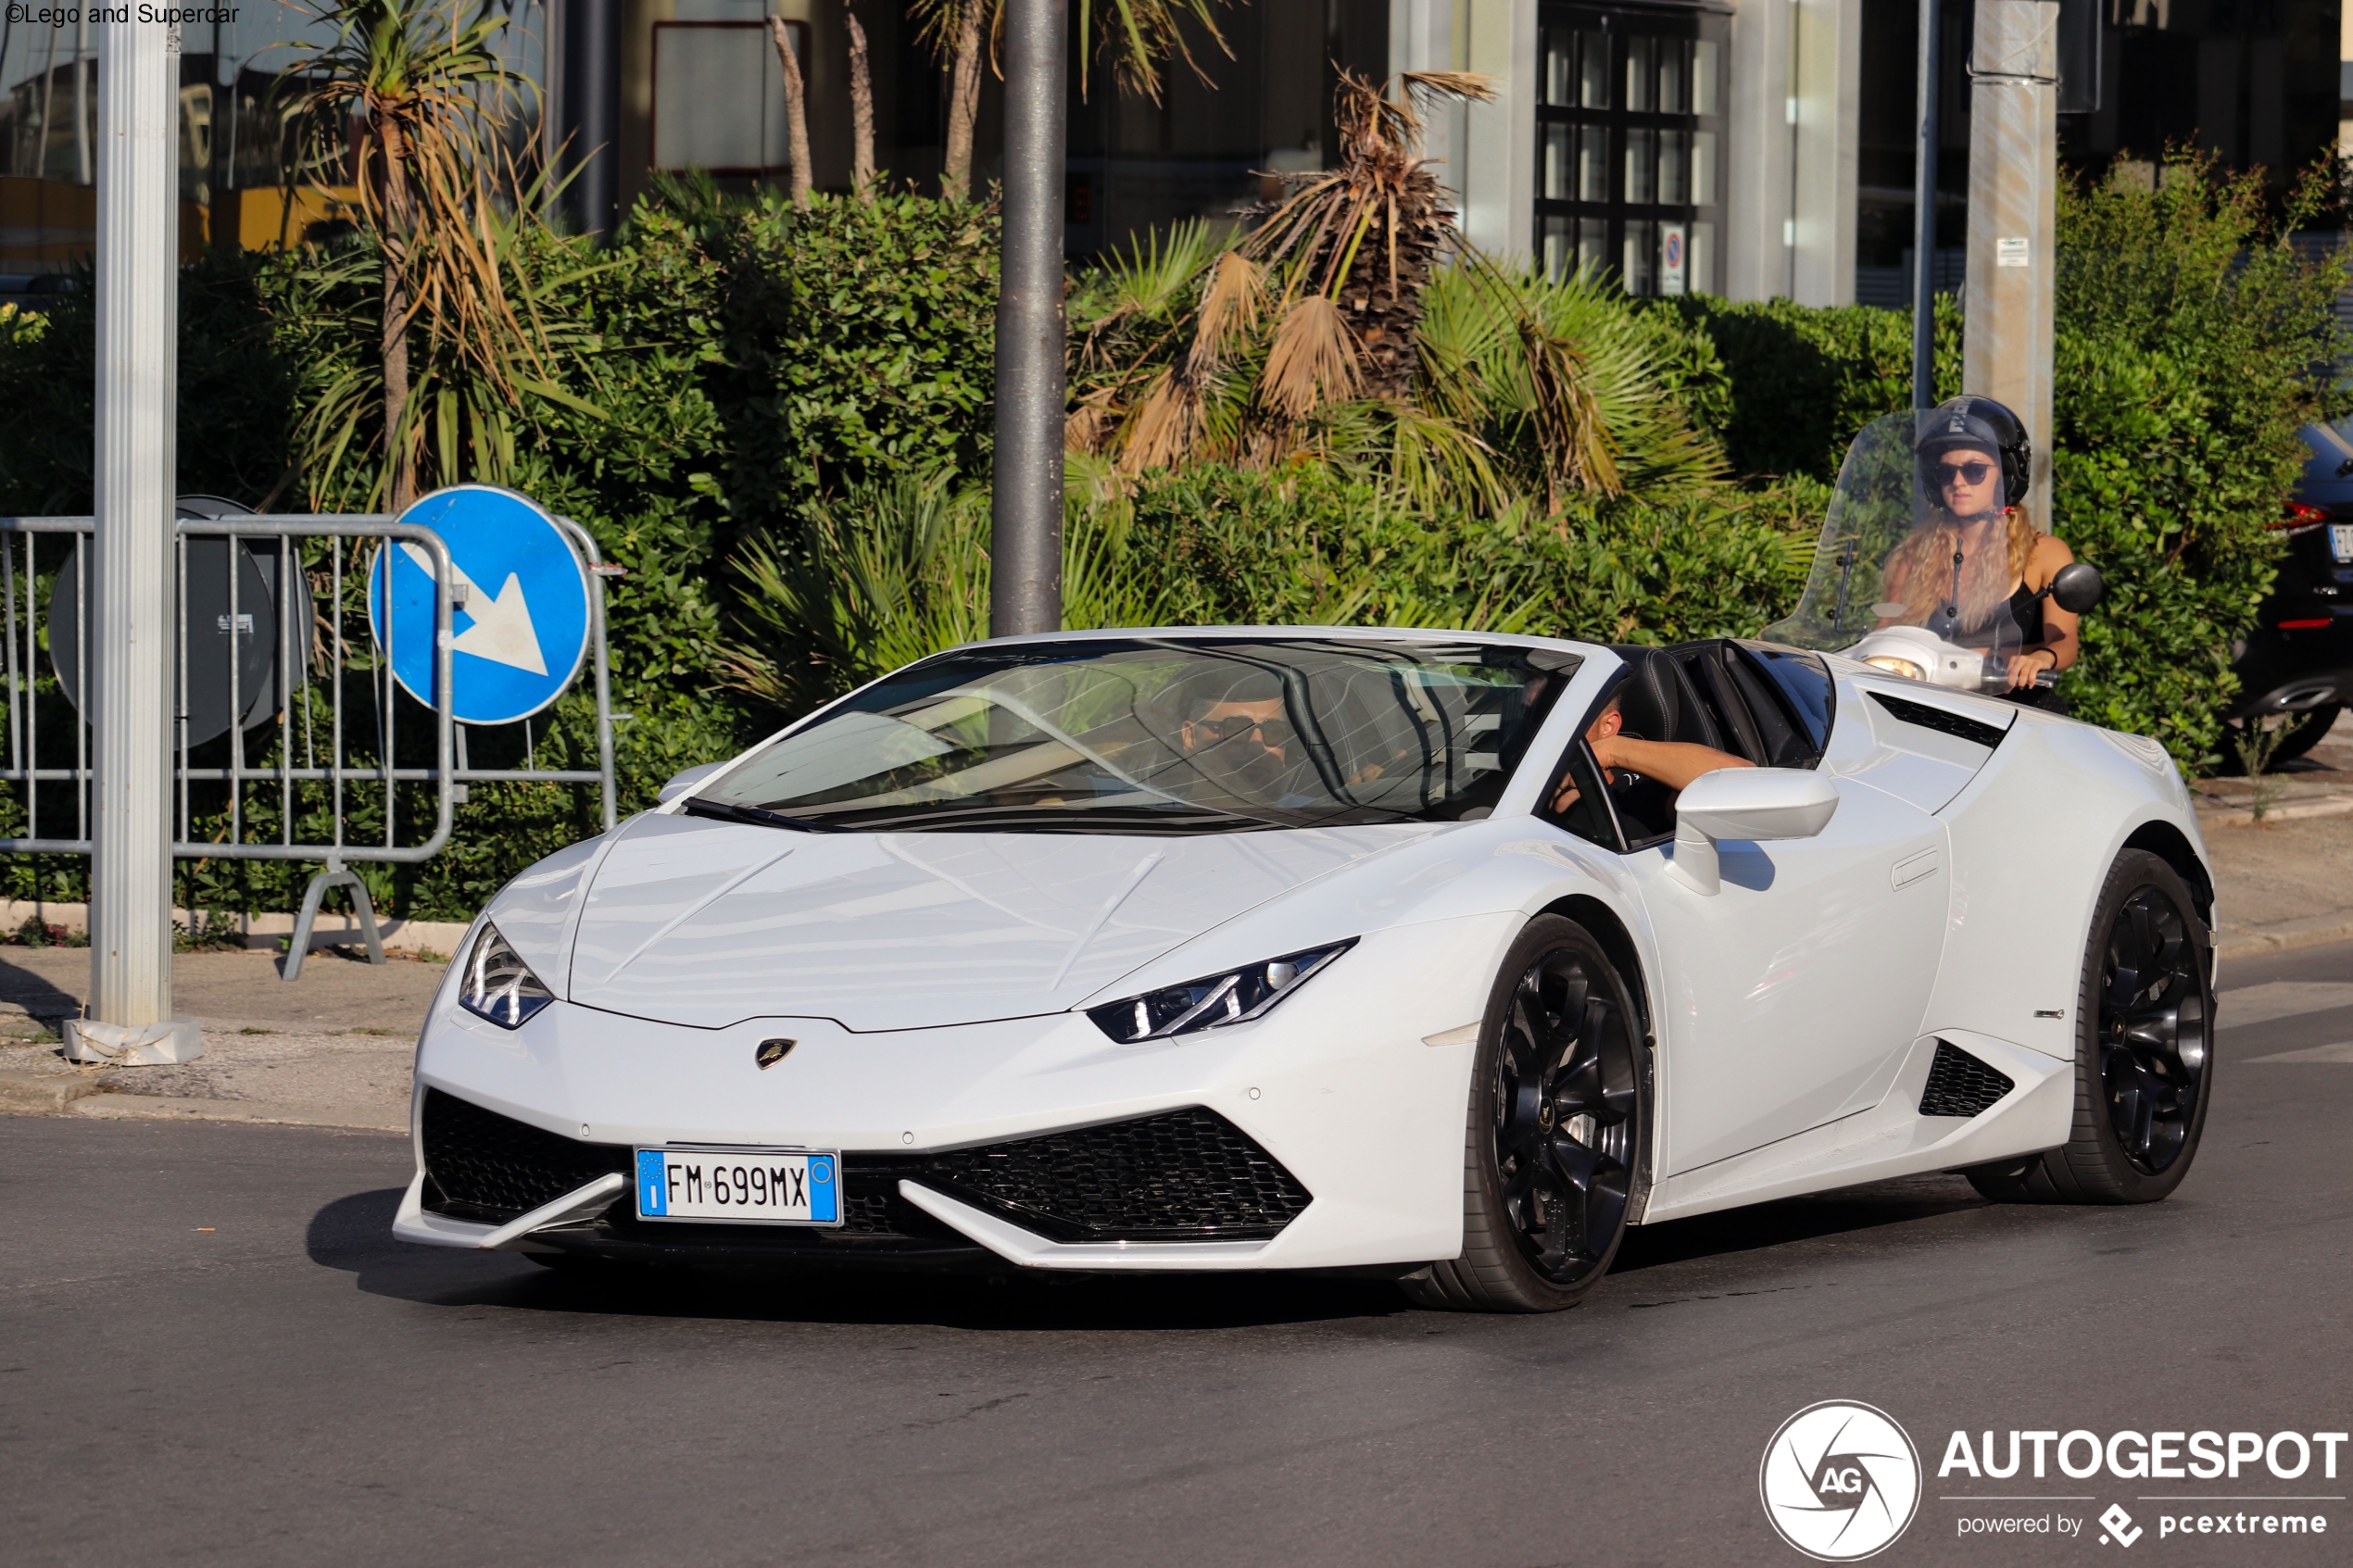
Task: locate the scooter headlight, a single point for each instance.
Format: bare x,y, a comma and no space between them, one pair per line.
1895,666
497,985
1214,1000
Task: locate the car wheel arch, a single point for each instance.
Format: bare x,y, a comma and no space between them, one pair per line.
1617,942
2171,844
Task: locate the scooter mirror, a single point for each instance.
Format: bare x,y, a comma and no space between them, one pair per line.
2077,587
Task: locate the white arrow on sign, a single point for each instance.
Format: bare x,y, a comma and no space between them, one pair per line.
501,632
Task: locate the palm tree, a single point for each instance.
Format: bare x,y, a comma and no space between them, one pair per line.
1136,38
1333,329
425,100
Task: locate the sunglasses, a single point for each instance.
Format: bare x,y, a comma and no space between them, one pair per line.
1965,473
1271,732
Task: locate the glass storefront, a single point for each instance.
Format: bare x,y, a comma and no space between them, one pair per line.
1629,127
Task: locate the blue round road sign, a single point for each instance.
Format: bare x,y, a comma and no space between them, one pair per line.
518,635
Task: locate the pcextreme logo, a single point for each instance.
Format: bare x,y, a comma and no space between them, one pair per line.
1839,1481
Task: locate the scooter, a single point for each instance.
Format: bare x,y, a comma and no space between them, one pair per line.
1917,653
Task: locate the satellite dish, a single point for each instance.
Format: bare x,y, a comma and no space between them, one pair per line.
212,641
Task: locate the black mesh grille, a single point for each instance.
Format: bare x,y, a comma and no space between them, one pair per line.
1183,1175
1941,720
493,1168
1960,1084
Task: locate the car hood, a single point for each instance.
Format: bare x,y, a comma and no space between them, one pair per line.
707,923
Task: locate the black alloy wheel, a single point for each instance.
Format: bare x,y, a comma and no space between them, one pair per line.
1557,1121
2143,1067
2152,1030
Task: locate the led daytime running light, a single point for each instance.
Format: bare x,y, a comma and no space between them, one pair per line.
1214,1001
498,986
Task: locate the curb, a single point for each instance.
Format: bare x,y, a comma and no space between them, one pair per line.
119,1107
2239,817
44,1094
2286,937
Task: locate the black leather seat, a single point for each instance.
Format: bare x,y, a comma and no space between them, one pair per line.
1659,701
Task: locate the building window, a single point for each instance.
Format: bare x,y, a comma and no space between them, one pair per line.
1629,127
719,96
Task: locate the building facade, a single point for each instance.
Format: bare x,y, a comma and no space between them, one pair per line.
1752,148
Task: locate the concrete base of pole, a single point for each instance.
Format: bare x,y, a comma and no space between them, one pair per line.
132,1045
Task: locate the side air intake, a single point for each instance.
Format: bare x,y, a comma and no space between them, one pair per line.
1960,1084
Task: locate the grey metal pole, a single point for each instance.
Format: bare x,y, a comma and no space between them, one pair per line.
1026,553
1924,210
138,277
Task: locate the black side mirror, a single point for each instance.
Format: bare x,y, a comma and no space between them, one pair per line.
2077,587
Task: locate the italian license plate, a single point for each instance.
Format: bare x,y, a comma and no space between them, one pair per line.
761,1186
2341,540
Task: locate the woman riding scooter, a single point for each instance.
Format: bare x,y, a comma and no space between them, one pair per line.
1979,563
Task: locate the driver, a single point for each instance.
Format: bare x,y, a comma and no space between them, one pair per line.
1631,763
1977,555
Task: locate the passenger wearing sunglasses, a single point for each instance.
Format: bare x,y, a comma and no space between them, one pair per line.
1976,554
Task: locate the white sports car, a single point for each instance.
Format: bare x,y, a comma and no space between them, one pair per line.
1308,948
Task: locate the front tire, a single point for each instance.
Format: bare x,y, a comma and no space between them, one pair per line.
2144,1063
1555,1145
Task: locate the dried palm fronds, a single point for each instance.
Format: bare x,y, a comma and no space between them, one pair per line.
1312,360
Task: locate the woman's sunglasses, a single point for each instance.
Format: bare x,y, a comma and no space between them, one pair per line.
1965,473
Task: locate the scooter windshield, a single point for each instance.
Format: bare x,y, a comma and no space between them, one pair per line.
1917,536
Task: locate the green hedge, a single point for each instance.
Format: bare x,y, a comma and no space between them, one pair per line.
2193,343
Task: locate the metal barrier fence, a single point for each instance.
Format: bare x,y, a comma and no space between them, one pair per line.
262,667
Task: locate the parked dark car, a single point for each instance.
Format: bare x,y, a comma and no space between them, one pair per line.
2298,660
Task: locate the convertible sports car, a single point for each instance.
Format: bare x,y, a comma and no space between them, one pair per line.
1309,948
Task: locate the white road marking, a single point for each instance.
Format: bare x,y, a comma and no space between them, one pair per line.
2280,998
2341,1051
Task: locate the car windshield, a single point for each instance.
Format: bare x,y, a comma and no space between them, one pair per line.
1159,735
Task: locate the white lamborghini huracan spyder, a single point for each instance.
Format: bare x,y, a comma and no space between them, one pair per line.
1316,948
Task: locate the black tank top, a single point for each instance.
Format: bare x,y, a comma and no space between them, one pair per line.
2026,609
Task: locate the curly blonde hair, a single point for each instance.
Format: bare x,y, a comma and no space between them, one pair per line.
1919,576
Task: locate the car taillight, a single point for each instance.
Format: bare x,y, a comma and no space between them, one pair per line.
2296,514
2303,625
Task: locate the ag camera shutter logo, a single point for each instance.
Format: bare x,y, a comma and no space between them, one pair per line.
1839,1481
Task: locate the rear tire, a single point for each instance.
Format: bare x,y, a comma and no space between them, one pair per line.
2144,1063
1555,1146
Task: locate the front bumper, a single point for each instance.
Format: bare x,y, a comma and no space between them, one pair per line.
1336,1089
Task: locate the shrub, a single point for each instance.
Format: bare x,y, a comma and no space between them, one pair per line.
2193,341
1802,380
900,570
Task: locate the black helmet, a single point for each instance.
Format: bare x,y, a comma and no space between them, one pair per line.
1980,425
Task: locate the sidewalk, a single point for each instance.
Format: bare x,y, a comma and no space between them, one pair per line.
334,1049
2287,881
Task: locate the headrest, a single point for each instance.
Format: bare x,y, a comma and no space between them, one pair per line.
1659,701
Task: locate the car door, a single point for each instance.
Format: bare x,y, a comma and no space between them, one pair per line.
1790,997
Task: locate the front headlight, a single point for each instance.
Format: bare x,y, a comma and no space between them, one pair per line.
497,985
1236,996
1895,666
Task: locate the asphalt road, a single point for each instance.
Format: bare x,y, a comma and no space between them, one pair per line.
211,1352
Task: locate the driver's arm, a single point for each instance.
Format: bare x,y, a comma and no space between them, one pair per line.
1674,763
